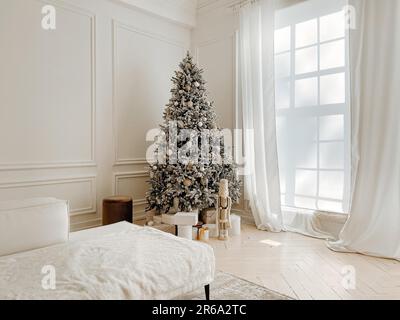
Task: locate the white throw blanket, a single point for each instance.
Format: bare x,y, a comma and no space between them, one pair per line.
137,263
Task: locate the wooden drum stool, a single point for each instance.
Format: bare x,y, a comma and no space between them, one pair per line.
117,209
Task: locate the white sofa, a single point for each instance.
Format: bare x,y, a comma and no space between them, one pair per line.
120,261
32,223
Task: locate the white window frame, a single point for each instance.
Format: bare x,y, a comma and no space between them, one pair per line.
317,111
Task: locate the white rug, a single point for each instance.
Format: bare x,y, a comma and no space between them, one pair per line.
230,287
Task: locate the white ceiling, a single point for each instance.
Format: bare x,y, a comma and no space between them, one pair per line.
181,11
203,3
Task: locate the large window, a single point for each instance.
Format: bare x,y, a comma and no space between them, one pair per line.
312,102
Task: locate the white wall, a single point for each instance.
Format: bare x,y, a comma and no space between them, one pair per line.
76,102
214,41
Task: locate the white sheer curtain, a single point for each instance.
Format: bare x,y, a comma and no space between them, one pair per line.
374,224
261,182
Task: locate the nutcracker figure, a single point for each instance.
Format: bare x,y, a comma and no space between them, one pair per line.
224,204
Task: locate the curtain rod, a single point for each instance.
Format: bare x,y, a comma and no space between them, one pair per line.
280,4
240,4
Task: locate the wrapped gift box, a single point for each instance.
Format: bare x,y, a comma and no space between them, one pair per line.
209,216
181,218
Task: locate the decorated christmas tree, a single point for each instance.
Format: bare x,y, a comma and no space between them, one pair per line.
190,155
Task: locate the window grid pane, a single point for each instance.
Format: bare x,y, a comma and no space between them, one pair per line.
307,60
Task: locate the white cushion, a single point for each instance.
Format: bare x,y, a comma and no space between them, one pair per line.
32,224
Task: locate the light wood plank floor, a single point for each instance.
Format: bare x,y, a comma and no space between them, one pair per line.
303,267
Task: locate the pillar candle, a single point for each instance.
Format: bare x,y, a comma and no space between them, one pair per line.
195,233
185,232
235,225
204,234
213,230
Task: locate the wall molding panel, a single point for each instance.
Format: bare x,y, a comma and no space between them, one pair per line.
91,206
39,166
11,166
118,25
128,162
118,177
63,90
78,226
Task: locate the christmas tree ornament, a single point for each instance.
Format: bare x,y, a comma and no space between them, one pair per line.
190,104
187,182
196,84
